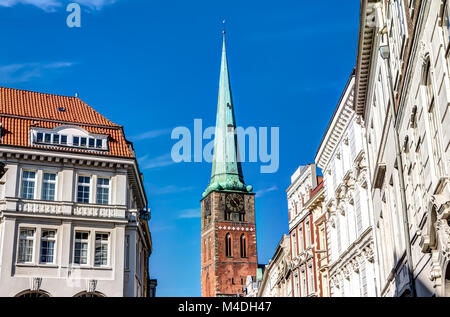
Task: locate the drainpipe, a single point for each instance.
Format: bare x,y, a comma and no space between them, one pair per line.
385,55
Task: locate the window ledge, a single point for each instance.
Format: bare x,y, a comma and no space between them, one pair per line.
96,268
32,265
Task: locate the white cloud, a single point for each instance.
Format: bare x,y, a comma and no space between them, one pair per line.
150,134
52,5
265,191
19,73
157,162
190,213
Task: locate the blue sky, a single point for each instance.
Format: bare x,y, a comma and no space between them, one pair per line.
153,65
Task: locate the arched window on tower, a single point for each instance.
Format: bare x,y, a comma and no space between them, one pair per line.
228,245
243,246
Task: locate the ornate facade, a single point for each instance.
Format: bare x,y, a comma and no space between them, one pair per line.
342,158
277,278
73,217
302,232
403,94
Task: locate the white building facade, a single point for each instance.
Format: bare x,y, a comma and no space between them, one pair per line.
276,280
302,232
351,243
403,75
73,219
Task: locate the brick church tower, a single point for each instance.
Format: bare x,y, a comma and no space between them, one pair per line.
228,236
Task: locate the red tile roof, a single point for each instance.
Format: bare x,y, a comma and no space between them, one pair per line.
20,110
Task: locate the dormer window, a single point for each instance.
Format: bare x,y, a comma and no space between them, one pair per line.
69,136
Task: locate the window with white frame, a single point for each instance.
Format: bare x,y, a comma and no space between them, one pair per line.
311,280
48,240
26,245
300,239
81,248
84,185
48,186
303,283
28,184
101,249
308,234
103,191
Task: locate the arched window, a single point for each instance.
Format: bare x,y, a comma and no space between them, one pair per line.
228,245
243,246
33,294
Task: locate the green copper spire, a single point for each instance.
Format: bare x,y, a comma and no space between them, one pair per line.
226,170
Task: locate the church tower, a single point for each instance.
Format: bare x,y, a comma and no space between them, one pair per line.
228,236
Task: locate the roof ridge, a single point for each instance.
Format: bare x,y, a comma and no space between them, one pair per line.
53,99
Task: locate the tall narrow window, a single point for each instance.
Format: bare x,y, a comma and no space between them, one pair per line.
81,247
101,249
48,239
84,184
243,246
28,184
103,191
26,242
434,121
228,245
308,234
48,186
227,215
127,252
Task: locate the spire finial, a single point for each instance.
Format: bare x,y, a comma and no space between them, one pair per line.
224,29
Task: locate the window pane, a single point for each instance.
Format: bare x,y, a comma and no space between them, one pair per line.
103,191
40,137
48,186
28,184
55,138
26,241
48,246
76,141
101,249
91,142
81,247
64,139
47,138
84,183
83,142
99,143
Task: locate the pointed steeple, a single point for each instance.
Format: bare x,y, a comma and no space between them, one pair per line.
226,170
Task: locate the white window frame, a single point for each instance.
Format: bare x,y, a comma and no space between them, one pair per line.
34,180
87,241
27,238
84,184
102,186
101,243
53,239
50,182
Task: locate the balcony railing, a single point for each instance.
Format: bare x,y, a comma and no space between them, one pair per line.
63,208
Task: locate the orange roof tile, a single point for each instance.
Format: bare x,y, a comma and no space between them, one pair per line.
20,110
45,106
